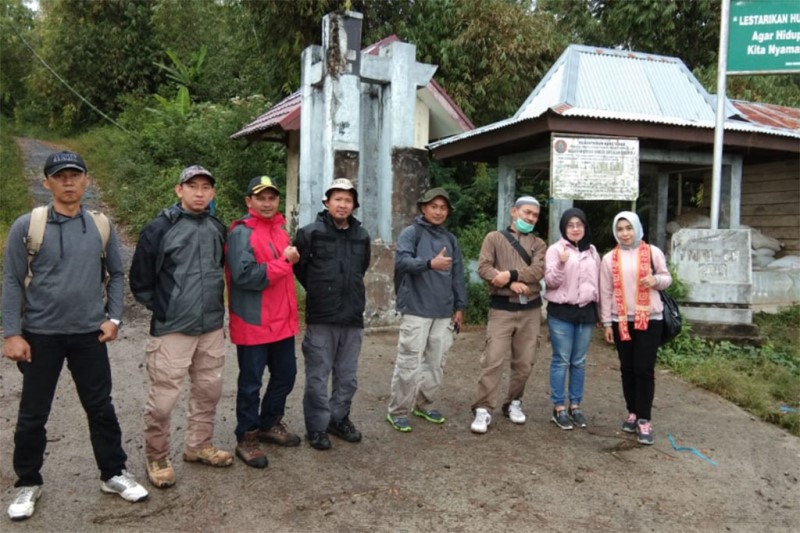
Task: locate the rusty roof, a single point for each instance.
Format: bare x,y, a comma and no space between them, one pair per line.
770,115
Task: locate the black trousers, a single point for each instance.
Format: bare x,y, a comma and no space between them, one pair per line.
637,363
87,360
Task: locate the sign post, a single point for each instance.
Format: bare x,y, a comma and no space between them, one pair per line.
764,37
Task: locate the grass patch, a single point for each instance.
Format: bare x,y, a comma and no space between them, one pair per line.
15,199
762,380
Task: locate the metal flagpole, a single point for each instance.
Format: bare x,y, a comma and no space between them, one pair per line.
719,128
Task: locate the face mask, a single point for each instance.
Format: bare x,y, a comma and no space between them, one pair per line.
523,227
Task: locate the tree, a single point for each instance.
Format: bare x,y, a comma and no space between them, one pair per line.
103,49
16,27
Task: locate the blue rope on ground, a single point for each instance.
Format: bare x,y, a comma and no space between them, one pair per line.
687,449
783,408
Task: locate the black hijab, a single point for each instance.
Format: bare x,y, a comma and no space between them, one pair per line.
584,243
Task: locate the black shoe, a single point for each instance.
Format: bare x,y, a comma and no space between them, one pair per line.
319,440
345,430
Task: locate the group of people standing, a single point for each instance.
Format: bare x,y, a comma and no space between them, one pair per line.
60,303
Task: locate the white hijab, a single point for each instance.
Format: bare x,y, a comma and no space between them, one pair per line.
633,218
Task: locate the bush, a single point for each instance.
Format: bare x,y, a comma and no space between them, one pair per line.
139,170
15,199
759,379
477,303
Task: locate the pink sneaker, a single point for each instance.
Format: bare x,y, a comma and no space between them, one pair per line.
629,426
644,432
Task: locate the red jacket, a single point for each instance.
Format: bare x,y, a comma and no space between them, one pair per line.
261,292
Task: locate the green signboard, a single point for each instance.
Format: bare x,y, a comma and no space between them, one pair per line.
764,37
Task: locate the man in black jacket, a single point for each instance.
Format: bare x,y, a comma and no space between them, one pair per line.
334,256
177,273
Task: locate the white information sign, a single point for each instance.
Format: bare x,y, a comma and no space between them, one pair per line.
594,168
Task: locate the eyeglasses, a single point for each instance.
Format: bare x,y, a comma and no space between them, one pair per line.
575,226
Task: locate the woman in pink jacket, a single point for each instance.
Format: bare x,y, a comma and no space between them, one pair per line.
631,311
572,273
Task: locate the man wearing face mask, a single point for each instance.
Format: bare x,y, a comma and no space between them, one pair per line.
512,263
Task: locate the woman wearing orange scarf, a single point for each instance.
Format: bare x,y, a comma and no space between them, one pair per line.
631,312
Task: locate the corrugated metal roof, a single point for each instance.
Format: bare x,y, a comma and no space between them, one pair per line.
621,85
770,115
446,116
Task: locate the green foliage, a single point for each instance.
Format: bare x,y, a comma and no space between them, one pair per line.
783,89
185,74
477,303
103,49
139,171
14,200
16,23
759,379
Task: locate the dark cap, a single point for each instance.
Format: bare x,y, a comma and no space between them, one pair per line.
61,160
260,183
194,171
435,193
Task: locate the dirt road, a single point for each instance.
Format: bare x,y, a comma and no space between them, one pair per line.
533,477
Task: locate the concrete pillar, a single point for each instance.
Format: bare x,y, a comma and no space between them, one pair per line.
659,202
557,208
291,199
506,191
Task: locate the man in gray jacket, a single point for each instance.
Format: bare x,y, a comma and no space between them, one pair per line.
177,273
61,315
431,295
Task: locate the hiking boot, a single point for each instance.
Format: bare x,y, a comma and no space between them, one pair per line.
319,440
344,429
431,415
400,423
644,432
248,451
561,419
577,417
278,434
210,455
160,473
24,503
126,486
515,413
481,422
629,426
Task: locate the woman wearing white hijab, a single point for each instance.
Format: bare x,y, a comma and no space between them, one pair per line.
632,314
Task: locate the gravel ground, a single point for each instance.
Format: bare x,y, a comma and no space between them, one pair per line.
532,477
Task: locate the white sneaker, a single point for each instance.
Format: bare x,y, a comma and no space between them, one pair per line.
515,413
125,486
24,503
482,421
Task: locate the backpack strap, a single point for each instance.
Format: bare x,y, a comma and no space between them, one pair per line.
104,227
517,246
35,237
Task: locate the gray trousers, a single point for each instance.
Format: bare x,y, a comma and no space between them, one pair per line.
330,350
422,347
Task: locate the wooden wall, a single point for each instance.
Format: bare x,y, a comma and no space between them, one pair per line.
771,202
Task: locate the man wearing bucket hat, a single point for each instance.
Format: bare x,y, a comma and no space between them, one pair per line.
431,296
334,256
512,264
263,320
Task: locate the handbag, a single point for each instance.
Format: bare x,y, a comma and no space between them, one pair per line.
673,322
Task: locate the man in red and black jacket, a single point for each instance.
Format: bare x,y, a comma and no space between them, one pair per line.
263,320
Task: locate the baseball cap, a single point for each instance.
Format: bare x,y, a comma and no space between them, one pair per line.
260,183
434,193
61,160
342,184
193,171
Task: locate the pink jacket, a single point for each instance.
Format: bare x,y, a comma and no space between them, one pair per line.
575,282
630,277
